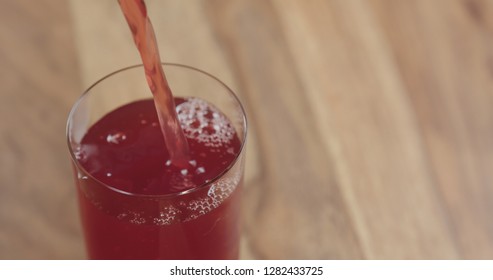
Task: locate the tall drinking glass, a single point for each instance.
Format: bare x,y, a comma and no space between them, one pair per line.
199,223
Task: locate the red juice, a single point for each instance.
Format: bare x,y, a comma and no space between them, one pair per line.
135,204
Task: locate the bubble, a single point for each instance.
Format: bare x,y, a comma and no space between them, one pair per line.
121,216
108,174
203,122
80,155
97,204
200,170
116,138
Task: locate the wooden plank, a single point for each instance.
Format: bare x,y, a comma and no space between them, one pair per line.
39,78
443,53
368,127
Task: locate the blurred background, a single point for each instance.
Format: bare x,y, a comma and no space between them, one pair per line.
371,122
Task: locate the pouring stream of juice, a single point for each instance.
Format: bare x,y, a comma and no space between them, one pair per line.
135,13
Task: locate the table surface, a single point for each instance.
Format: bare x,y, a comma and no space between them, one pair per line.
371,122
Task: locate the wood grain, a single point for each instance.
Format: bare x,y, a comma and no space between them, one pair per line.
371,122
39,81
380,161
445,62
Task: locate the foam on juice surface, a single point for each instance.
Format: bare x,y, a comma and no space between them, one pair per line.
202,121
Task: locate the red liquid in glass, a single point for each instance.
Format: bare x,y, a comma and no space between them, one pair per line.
125,150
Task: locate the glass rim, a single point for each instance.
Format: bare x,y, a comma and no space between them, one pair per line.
171,195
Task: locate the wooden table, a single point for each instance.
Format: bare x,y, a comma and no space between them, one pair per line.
371,122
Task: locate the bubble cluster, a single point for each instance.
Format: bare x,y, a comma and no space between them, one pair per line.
185,210
203,122
85,152
220,191
132,217
116,137
79,154
166,216
216,195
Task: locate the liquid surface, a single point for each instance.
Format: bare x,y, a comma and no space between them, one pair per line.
125,149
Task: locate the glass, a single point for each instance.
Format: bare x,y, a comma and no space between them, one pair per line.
200,223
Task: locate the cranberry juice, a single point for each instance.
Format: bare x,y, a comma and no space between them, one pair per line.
136,204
